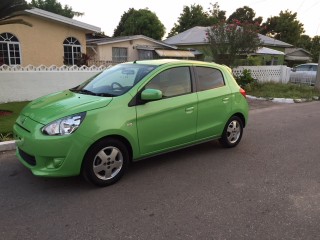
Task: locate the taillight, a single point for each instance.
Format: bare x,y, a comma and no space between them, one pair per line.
243,92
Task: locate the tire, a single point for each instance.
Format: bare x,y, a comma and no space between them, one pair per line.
105,162
232,132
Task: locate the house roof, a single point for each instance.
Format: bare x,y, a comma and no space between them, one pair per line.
108,40
268,41
293,51
298,54
192,36
268,51
61,19
198,36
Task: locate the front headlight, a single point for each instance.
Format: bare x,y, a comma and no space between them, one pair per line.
64,126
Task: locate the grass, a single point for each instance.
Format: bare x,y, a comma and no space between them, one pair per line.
278,90
6,122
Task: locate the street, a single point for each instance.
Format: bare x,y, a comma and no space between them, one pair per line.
268,187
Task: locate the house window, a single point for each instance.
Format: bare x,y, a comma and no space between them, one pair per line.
146,54
119,54
72,51
9,49
275,61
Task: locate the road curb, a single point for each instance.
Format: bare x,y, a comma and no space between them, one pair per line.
276,100
7,146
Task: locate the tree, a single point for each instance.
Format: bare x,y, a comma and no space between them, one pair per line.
10,9
284,27
55,7
245,15
315,48
305,42
195,16
142,21
229,41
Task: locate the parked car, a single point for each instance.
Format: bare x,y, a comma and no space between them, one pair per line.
304,73
129,112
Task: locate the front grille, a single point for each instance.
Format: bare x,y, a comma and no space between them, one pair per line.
28,158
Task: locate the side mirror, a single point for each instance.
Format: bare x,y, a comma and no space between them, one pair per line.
294,69
151,95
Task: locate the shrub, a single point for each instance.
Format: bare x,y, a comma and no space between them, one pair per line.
245,79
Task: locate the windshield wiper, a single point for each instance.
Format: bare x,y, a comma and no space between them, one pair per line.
88,92
85,91
105,95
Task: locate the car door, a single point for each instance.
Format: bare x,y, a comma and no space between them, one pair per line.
170,121
214,102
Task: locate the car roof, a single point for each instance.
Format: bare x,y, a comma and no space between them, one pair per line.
308,64
158,62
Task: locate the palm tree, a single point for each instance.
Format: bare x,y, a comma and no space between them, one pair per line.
13,8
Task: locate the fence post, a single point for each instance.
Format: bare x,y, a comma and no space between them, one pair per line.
285,74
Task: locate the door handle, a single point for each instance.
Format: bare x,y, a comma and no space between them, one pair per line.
189,109
225,99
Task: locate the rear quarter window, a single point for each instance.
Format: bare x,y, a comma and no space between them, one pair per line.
208,78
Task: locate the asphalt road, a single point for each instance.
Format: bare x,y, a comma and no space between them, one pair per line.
268,187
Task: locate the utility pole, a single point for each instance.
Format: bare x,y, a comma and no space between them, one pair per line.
317,84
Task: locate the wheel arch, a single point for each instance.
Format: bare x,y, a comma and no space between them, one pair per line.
117,137
241,116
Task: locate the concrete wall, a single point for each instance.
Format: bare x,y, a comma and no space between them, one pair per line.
25,85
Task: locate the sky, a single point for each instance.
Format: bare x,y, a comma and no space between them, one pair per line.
107,14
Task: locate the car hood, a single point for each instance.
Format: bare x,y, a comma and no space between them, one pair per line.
54,106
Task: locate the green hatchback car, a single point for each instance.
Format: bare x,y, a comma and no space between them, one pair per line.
129,112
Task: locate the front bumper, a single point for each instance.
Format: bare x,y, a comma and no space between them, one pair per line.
51,156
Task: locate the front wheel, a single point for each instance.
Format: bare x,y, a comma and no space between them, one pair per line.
105,162
232,132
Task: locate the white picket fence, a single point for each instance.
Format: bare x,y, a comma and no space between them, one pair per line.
279,73
28,83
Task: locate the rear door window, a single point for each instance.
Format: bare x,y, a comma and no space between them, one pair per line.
208,78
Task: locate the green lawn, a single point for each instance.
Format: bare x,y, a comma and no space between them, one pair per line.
277,90
6,122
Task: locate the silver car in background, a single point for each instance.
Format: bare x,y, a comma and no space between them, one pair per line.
304,74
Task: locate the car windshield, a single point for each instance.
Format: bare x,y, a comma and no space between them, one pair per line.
114,81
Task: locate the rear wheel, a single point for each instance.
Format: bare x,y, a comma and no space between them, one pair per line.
105,162
232,132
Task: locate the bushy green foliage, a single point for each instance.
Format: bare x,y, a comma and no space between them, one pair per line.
245,79
285,27
249,61
195,16
10,9
228,41
6,122
55,7
140,22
